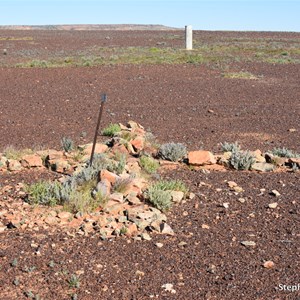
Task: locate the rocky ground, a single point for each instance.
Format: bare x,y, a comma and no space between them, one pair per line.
226,244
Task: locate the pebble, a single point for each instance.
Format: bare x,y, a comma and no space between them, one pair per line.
273,205
242,200
268,264
248,243
159,245
275,193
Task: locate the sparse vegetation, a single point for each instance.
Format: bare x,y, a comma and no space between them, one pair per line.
122,185
241,160
284,152
74,281
111,129
67,144
172,151
149,164
159,193
230,147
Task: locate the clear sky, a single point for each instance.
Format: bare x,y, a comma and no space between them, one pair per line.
266,15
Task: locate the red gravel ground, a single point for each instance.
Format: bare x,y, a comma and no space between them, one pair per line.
189,103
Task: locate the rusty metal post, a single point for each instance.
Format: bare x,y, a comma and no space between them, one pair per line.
103,100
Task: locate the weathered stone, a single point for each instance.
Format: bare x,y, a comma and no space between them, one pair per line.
119,148
60,166
13,165
131,229
273,205
111,177
177,196
133,199
248,243
65,215
166,229
122,219
278,161
50,220
258,156
99,148
275,193
118,197
134,125
263,167
103,187
201,157
32,160
138,143
145,236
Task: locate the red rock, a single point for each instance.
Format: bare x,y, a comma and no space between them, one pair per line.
138,143
14,165
131,229
99,148
32,160
269,264
111,177
119,148
201,157
50,220
65,215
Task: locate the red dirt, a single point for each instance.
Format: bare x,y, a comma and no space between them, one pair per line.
193,104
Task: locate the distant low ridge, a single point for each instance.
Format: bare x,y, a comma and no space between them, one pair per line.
89,27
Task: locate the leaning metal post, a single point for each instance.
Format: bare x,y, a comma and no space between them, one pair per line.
103,100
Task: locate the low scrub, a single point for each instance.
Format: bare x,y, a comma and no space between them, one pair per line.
111,129
230,147
284,152
159,193
149,164
172,151
241,160
67,144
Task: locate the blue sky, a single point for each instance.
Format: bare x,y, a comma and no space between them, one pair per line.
267,15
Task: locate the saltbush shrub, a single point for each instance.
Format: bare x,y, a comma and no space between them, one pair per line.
111,129
241,160
172,151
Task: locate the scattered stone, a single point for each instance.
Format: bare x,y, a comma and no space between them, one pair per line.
103,187
212,269
99,148
248,243
242,200
65,215
139,274
201,157
159,245
273,205
118,197
182,244
226,204
169,288
166,229
177,196
205,226
192,196
145,236
268,264
232,184
275,193
263,167
32,160
13,165
111,177
292,130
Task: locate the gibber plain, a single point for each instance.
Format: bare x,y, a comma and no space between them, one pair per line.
194,191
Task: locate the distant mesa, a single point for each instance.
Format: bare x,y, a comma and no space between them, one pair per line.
88,27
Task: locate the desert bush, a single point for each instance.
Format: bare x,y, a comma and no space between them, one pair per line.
172,151
230,147
44,193
149,164
284,152
111,129
67,144
159,193
160,199
241,160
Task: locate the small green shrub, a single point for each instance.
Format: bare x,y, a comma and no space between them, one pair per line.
241,160
44,193
149,164
230,147
284,152
172,151
118,167
67,144
161,199
111,129
159,193
74,281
